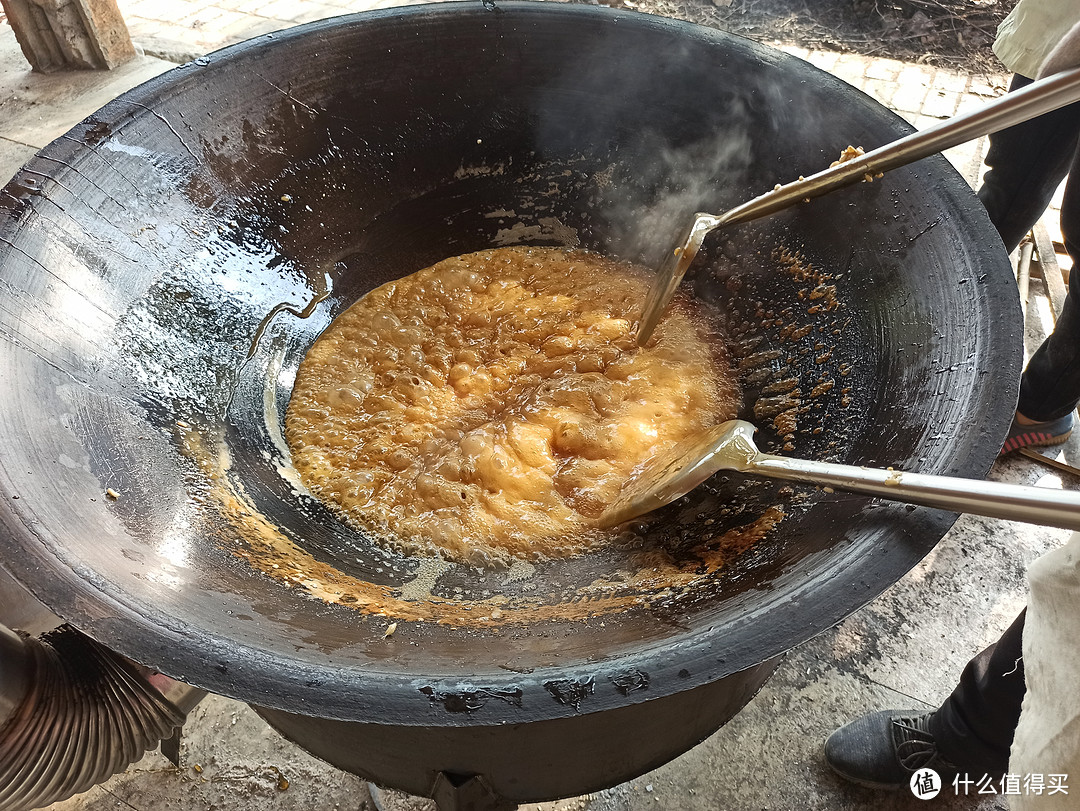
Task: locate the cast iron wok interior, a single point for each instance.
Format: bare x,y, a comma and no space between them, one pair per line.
165,265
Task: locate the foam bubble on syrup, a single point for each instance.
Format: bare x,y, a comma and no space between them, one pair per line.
427,575
520,570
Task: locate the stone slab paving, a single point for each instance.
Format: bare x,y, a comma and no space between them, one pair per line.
180,31
904,649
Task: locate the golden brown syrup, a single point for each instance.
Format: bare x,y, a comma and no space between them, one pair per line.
485,409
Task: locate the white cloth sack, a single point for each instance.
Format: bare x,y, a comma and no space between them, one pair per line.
1047,738
1031,31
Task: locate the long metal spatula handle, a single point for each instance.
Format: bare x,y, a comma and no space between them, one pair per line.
1033,100
1012,108
1034,505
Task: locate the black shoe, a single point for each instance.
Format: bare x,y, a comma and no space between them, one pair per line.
882,750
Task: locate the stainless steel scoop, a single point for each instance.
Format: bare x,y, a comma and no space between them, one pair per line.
1037,98
730,446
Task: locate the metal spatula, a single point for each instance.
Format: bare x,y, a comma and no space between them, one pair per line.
730,446
1035,99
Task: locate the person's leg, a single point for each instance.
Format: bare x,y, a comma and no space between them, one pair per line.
1050,386
970,733
1026,164
974,726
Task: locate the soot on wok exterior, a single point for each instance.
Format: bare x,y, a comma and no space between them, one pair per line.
141,253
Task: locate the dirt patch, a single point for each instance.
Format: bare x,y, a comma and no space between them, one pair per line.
943,33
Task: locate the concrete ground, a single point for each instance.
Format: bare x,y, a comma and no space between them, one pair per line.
905,649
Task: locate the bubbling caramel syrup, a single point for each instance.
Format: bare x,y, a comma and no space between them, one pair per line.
485,409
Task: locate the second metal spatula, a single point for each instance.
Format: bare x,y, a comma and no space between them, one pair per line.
730,446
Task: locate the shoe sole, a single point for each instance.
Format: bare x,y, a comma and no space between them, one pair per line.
1012,445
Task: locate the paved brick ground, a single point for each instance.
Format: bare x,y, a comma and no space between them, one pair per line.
179,30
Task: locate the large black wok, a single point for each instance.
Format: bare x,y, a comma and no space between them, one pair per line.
165,265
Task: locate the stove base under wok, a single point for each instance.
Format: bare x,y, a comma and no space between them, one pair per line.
492,768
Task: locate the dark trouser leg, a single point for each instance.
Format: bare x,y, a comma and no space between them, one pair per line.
1050,387
974,726
1026,163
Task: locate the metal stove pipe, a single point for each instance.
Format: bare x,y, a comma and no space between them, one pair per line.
72,714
